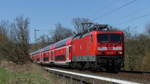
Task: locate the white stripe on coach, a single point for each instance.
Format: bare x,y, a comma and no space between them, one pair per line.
96,77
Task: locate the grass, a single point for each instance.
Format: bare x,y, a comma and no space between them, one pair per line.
4,76
30,73
7,77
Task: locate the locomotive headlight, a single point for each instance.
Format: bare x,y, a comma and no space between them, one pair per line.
120,52
102,48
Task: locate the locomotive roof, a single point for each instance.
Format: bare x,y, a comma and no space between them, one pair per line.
111,31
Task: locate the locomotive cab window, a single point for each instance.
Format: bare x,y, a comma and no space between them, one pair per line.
114,38
102,38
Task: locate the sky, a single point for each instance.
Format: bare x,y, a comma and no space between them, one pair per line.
44,14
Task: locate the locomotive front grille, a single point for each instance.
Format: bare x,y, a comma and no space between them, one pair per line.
102,59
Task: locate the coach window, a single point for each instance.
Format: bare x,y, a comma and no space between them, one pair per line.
45,58
60,43
38,59
87,34
60,57
77,37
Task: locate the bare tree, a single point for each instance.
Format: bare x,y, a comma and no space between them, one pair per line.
3,30
43,41
15,45
60,33
3,36
148,29
79,27
22,37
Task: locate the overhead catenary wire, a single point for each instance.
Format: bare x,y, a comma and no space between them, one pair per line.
135,12
114,10
107,6
135,18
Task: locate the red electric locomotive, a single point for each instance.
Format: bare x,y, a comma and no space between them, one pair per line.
98,48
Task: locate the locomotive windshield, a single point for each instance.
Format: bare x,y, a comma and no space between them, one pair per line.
109,38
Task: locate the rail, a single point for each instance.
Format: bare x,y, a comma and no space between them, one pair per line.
112,80
136,72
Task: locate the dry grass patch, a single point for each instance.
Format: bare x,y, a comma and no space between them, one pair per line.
11,73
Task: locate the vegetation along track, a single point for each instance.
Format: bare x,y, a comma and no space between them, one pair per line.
141,77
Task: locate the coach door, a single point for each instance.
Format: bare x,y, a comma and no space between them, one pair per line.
52,56
68,49
41,57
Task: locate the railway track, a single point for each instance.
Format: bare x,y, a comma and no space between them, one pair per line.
140,77
135,72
